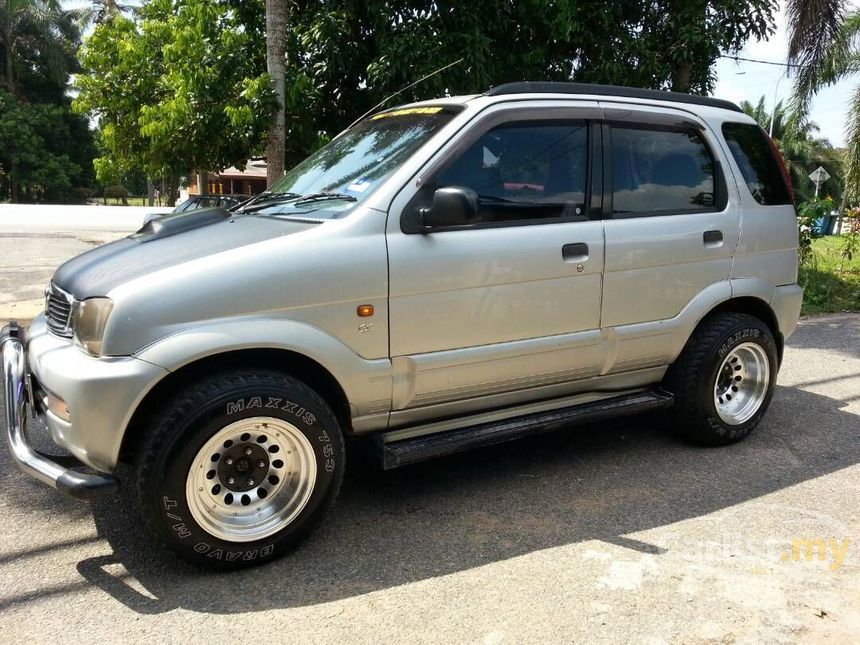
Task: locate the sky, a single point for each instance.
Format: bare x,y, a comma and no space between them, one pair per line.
737,81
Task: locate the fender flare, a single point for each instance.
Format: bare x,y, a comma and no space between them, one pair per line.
365,382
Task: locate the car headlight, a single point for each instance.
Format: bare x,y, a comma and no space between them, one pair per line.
89,318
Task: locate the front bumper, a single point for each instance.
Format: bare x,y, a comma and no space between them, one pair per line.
13,345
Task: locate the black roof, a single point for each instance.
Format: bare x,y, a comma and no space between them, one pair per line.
548,87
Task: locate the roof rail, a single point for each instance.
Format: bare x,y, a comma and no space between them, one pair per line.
550,87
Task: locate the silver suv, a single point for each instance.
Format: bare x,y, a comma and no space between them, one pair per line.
442,275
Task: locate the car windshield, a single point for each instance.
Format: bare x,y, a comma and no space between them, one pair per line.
338,177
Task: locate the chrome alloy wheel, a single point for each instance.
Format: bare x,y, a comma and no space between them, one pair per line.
742,383
251,479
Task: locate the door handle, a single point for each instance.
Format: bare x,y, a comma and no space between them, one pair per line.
712,238
577,252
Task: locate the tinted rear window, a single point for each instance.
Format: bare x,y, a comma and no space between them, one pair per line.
755,157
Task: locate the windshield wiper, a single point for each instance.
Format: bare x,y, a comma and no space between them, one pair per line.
265,198
317,197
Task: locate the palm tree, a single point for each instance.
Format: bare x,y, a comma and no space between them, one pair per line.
40,29
824,45
106,10
36,35
277,13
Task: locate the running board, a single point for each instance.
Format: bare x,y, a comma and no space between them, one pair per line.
410,451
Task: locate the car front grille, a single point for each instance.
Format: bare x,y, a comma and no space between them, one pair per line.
58,311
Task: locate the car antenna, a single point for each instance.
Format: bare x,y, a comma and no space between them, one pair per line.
388,98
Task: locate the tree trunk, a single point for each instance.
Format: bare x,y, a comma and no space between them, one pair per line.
681,76
150,192
202,182
838,229
172,191
276,45
13,181
10,57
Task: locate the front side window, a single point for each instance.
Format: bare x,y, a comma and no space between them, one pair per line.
522,171
661,170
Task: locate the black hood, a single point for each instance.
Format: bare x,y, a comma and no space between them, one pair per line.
160,245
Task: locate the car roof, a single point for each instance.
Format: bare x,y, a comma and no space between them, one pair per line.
594,89
704,106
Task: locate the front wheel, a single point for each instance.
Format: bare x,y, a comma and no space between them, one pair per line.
239,468
723,381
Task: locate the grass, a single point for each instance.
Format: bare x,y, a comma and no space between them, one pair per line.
830,282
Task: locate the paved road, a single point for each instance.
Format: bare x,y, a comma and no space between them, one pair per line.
603,533
48,218
36,239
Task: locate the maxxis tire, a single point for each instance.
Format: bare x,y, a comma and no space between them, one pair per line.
193,417
692,378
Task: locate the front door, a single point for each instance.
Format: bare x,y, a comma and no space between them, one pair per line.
509,309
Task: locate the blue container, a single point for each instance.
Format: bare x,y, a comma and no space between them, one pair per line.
824,225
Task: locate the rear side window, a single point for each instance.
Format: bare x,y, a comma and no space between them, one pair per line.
658,170
759,166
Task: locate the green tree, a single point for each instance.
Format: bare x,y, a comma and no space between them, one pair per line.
105,10
46,151
344,56
802,148
824,44
38,40
183,86
347,55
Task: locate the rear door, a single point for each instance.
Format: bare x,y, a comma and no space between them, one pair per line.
671,224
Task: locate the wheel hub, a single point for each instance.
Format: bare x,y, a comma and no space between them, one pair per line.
742,383
726,380
242,467
251,478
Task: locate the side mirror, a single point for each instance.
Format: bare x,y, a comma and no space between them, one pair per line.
452,206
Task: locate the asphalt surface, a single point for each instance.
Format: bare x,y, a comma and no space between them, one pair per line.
603,533
36,239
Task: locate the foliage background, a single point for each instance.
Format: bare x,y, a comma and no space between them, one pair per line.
46,150
344,56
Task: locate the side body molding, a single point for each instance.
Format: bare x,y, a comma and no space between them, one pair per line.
366,382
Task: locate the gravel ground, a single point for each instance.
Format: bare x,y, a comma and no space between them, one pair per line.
608,533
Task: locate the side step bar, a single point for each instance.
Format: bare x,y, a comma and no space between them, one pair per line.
410,451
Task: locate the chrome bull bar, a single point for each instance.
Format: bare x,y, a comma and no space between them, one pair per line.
13,344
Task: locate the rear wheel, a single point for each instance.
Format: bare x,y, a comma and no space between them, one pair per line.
723,381
239,468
